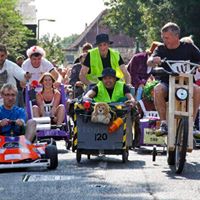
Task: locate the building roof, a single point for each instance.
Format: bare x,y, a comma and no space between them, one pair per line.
96,27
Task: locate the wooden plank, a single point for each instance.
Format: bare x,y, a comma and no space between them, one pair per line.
171,116
190,111
181,113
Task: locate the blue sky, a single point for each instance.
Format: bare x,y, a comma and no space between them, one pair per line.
70,15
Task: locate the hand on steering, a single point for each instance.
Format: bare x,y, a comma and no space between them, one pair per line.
19,122
4,122
131,103
27,76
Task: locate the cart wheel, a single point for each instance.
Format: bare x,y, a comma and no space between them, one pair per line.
154,153
52,154
171,157
73,147
78,156
68,145
194,144
88,156
181,144
124,156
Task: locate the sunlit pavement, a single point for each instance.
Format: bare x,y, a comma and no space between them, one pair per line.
104,177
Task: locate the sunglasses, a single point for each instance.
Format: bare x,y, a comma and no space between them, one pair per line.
9,95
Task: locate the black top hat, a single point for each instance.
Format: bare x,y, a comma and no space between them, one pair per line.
102,37
108,72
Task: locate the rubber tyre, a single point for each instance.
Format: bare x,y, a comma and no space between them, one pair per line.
124,156
52,154
181,144
171,157
78,156
68,145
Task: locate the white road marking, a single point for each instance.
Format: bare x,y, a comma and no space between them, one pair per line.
41,178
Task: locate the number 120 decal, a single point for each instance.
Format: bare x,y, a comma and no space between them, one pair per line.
101,136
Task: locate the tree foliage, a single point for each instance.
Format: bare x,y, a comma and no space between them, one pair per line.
52,47
12,32
67,41
144,19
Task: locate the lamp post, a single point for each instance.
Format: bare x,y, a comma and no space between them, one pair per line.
38,26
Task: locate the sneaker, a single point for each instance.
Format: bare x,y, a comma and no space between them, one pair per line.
163,130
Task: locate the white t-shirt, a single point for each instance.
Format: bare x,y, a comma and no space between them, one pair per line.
13,71
36,73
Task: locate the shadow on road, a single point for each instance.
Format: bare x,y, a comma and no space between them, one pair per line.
191,171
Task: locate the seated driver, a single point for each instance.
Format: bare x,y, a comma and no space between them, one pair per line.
9,112
48,100
110,89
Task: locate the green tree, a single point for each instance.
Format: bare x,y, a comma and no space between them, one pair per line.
53,48
67,41
124,16
188,17
155,14
143,19
12,32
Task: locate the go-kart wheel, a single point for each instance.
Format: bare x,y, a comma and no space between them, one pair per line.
78,156
154,154
52,142
52,154
194,144
125,156
171,157
49,141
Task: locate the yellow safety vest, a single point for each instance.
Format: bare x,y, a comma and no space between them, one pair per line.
96,65
103,95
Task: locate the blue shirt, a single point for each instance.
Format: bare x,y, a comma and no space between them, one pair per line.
13,114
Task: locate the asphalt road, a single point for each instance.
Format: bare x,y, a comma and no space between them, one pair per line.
104,177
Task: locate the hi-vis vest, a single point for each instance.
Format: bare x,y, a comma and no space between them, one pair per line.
96,65
103,95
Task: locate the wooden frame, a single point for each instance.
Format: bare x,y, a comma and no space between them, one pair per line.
179,108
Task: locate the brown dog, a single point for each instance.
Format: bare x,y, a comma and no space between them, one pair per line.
101,113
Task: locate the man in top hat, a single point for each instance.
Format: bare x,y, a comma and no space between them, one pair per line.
102,57
37,64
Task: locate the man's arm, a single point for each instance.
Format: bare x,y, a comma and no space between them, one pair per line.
153,61
57,76
131,101
82,75
127,76
90,94
21,118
